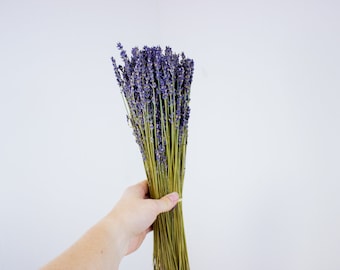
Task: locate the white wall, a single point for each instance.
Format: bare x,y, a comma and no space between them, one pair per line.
263,170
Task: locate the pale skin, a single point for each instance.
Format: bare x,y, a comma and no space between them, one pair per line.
118,234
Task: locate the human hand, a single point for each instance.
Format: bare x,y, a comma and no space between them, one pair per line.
118,234
135,212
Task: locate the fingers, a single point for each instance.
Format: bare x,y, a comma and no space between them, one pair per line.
138,190
167,202
161,205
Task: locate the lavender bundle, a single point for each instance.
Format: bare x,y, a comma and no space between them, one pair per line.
156,92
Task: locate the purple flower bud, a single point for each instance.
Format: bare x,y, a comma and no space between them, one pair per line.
156,88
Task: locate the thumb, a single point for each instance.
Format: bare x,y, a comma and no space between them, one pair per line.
167,202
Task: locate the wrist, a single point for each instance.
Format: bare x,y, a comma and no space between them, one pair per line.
114,227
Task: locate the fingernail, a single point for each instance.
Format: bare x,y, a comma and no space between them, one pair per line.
173,197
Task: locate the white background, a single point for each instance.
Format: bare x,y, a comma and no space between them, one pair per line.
263,165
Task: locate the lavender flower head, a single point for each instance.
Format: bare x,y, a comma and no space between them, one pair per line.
156,89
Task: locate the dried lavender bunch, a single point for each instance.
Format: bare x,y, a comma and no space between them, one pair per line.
156,91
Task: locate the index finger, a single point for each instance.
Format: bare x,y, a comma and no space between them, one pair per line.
139,190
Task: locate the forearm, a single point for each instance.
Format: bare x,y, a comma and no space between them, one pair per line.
102,247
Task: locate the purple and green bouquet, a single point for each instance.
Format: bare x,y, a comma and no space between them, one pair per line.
156,91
